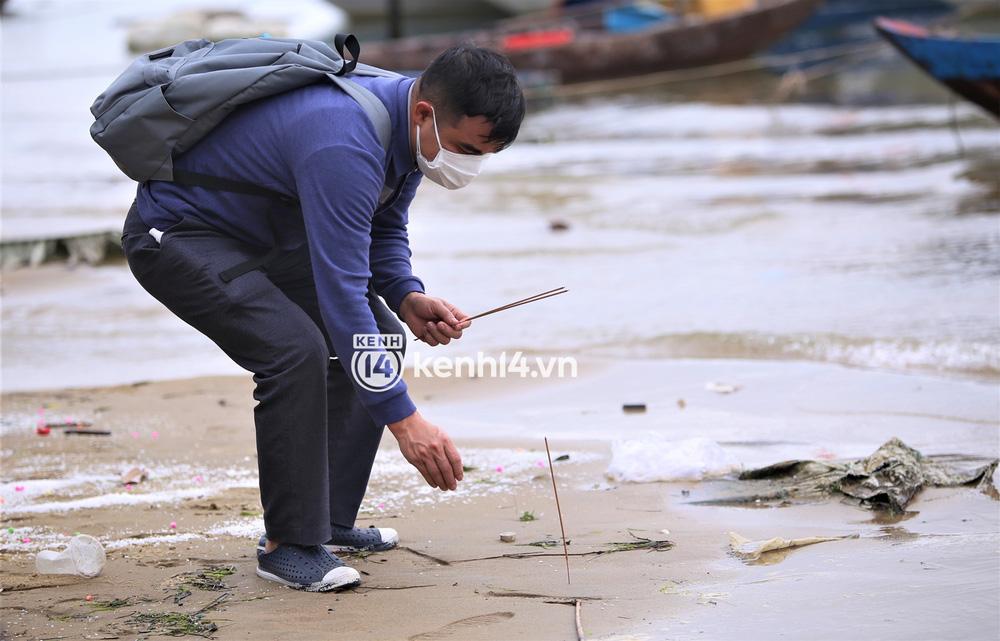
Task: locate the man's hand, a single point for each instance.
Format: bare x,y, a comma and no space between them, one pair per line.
430,450
433,320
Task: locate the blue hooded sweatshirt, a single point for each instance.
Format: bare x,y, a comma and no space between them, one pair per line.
315,144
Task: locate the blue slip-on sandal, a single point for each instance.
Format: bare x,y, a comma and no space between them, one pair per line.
305,567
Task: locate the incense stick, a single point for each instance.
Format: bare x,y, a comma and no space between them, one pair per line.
518,303
555,491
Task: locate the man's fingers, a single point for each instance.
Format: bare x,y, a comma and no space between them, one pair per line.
438,335
454,459
447,475
459,314
423,472
433,469
441,310
448,330
428,337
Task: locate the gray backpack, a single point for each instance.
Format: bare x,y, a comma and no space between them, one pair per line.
168,100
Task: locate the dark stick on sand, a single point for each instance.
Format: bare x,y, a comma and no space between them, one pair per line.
555,491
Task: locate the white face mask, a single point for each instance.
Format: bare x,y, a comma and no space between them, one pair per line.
447,168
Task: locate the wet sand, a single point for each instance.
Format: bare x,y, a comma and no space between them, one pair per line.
931,575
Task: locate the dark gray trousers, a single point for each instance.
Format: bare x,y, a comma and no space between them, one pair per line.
315,441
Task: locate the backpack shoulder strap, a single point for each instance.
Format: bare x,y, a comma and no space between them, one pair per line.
372,106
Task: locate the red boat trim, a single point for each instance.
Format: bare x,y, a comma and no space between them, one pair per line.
537,40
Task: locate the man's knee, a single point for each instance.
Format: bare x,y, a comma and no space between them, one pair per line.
307,352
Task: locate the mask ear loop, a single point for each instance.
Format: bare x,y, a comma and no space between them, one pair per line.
436,134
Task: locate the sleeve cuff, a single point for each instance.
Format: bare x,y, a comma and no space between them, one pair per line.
393,409
395,294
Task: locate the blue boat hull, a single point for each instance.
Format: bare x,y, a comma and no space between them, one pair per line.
969,67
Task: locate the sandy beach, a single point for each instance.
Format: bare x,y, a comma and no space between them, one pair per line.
927,574
771,278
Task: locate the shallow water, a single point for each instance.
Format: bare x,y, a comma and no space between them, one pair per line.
865,237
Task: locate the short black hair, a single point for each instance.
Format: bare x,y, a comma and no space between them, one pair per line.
466,80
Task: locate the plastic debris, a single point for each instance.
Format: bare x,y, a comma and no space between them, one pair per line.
722,388
557,224
173,525
83,556
634,408
89,597
134,476
887,479
65,423
43,430
749,550
508,537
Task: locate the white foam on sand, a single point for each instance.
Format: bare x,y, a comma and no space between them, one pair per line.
30,539
17,494
396,485
118,544
657,459
166,484
33,539
250,528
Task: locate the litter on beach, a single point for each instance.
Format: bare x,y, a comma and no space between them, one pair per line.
83,556
888,479
722,388
748,550
81,432
134,476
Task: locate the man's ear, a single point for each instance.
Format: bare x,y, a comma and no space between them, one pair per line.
422,112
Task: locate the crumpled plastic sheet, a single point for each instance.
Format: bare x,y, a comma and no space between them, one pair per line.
749,550
888,479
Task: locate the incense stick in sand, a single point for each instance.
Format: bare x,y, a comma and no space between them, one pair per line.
558,509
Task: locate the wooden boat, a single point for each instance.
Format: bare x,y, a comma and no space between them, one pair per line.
578,46
968,66
843,22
